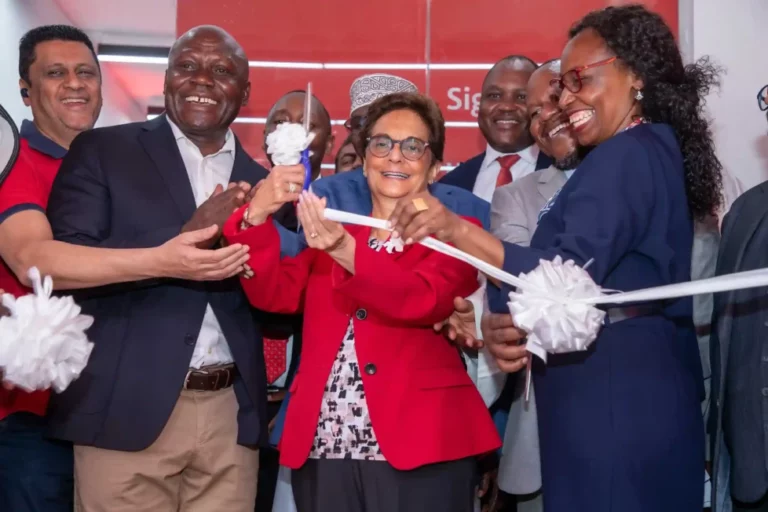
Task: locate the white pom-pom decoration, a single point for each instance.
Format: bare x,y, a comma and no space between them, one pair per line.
552,311
286,143
43,343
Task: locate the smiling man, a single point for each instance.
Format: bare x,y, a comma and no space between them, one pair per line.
169,412
503,121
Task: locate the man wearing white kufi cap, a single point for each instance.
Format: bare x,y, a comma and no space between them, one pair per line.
367,89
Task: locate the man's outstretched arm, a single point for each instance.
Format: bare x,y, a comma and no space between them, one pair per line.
26,240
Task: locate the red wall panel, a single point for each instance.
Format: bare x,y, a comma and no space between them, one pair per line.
394,32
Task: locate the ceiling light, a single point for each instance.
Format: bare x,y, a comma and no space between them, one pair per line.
335,122
157,55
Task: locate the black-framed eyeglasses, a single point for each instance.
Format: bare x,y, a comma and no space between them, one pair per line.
412,148
762,98
571,80
355,123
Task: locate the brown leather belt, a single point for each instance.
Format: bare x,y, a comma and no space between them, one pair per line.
211,378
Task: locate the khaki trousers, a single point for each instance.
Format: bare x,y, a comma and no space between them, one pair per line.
195,465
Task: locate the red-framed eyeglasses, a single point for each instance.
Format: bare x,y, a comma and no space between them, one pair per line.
571,80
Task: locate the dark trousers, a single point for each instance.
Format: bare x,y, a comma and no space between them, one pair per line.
269,466
374,486
36,474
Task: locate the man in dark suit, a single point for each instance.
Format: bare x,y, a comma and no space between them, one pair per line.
169,413
511,152
739,360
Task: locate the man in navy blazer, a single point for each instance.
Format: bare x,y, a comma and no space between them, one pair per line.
503,120
170,411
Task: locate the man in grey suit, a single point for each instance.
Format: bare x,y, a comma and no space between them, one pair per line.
515,210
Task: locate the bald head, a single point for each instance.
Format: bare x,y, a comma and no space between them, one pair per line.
205,85
552,65
512,63
210,35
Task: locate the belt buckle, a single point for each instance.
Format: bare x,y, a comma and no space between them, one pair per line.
190,371
186,377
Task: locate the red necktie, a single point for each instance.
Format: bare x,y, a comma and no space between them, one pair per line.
275,355
505,176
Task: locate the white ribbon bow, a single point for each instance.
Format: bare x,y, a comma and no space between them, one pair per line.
555,303
43,343
286,143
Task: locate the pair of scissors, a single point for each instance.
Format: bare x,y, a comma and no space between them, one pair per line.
305,153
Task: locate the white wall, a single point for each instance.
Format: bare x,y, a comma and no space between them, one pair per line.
733,34
19,16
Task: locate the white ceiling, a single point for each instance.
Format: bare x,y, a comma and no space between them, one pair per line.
138,19
129,22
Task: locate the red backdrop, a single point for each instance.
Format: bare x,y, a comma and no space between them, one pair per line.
404,32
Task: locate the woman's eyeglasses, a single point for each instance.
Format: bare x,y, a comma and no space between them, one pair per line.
762,98
412,148
571,80
355,123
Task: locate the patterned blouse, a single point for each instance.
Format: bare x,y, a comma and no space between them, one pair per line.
344,429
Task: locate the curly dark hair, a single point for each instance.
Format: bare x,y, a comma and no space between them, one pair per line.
421,105
672,93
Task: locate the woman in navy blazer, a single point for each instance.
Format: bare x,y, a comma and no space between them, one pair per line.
620,424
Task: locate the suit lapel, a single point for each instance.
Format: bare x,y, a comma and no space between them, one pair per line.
243,168
548,184
160,145
743,229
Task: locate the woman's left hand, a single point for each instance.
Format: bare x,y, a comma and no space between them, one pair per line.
321,234
419,216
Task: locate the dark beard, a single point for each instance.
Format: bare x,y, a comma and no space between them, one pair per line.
572,160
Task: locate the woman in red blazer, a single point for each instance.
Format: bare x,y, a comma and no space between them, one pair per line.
383,416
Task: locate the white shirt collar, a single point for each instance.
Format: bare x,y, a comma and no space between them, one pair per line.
529,154
229,139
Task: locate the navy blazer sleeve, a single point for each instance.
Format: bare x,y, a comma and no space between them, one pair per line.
79,207
606,209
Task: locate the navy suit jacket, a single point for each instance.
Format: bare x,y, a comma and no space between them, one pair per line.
126,187
465,175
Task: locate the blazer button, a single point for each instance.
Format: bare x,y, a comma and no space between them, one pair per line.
370,369
189,340
765,391
361,314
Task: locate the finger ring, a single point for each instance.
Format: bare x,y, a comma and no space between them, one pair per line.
291,188
313,235
420,204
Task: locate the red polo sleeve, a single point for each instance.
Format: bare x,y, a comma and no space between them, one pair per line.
22,190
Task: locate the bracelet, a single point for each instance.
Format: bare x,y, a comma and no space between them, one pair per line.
244,224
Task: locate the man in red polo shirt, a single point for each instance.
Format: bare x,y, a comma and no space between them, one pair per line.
60,80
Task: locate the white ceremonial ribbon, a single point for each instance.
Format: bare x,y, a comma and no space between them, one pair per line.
43,343
555,303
